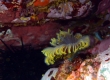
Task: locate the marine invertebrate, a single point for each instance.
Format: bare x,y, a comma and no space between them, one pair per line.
65,46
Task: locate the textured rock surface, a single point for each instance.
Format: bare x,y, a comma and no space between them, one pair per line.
34,35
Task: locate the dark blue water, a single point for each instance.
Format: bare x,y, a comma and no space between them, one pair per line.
22,64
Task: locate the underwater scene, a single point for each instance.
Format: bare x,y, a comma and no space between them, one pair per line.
54,39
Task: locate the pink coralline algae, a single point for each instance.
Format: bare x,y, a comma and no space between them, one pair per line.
36,35
69,10
105,44
104,5
55,10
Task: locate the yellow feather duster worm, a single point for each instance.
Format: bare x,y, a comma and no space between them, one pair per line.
65,46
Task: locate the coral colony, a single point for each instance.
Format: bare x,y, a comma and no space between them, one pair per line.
55,39
66,45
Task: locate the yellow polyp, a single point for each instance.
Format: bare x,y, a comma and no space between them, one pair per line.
85,42
48,61
60,36
56,50
62,49
81,45
78,36
53,42
64,33
51,56
68,48
47,51
75,48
